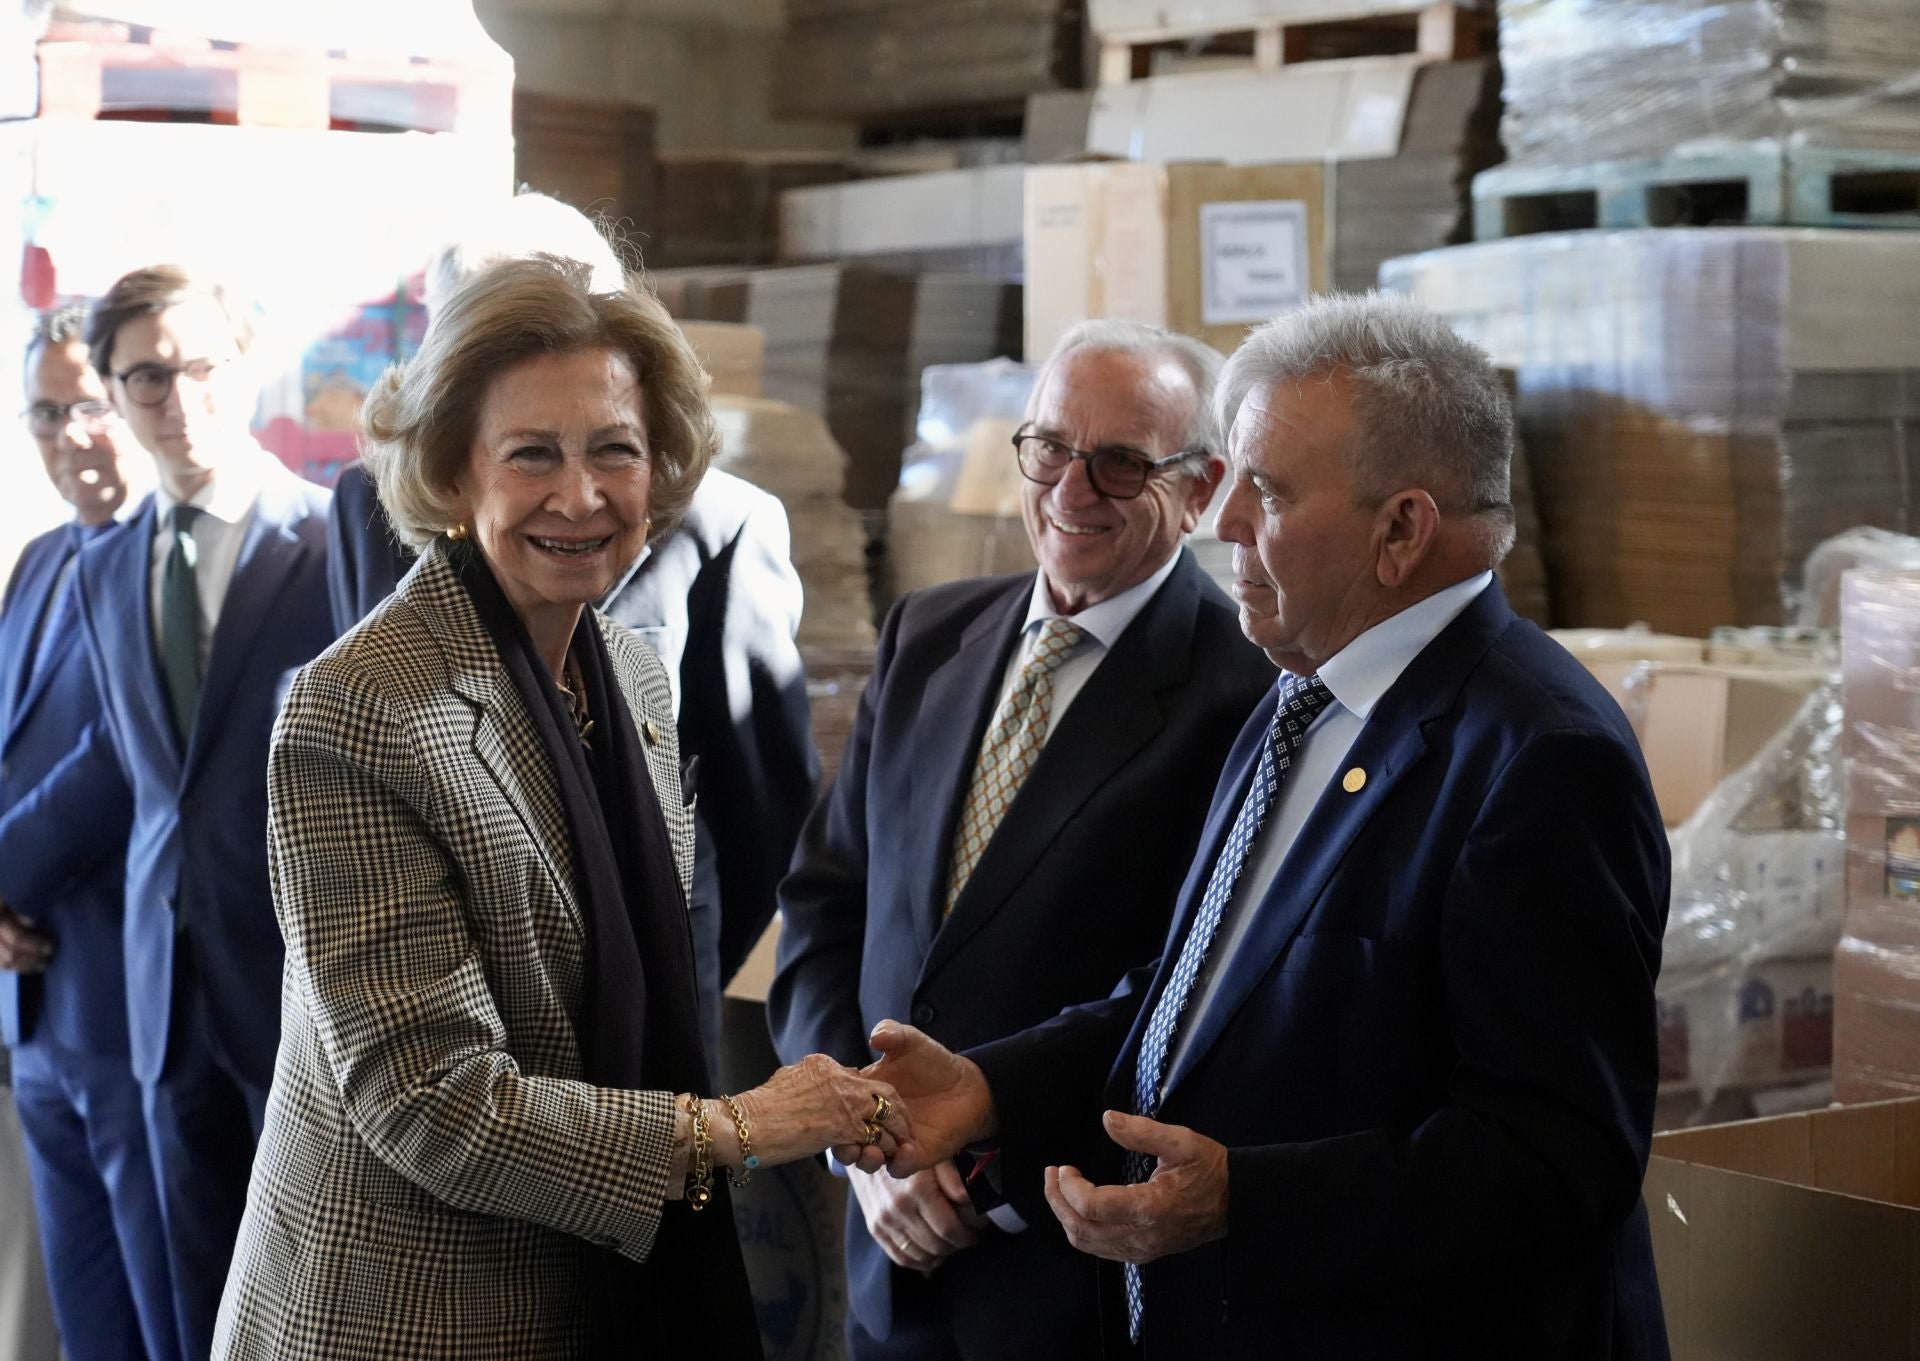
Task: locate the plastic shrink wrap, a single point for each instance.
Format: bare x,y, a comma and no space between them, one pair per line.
1600,80
1877,968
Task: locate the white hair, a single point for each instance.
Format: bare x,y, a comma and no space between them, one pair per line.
522,227
1201,363
1431,408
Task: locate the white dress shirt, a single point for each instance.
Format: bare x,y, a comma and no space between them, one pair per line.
1356,677
1102,623
228,502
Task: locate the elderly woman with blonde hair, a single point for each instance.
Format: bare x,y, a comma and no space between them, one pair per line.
492,1131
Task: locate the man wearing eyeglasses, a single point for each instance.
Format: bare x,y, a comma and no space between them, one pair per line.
1006,836
63,1010
194,612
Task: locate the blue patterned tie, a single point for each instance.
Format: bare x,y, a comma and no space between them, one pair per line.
1301,701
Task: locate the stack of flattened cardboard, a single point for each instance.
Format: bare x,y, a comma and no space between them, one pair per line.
1598,80
872,58
1701,408
848,343
789,452
723,208
596,154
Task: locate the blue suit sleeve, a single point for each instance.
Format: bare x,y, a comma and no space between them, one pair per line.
80,813
1549,945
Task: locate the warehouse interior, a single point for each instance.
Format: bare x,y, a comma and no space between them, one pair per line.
1685,232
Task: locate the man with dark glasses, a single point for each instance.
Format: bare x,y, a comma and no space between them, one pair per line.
1006,834
63,1009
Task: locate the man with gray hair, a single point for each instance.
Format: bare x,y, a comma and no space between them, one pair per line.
1389,1090
1019,797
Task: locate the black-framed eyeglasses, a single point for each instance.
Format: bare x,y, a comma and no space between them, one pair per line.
1115,471
48,419
152,384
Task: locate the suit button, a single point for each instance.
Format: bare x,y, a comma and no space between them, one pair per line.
923,1013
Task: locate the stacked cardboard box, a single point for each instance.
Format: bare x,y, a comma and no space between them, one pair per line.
1877,969
1701,408
963,220
724,208
596,154
1589,81
848,343
872,58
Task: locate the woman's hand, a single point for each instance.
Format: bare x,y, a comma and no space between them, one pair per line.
816,1104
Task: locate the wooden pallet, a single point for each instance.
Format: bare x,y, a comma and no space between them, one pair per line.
1444,31
1761,185
91,69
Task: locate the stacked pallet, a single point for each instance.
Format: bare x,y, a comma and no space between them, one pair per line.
1701,408
849,342
867,59
1625,79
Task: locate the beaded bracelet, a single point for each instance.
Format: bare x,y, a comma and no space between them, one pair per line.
748,1160
700,1174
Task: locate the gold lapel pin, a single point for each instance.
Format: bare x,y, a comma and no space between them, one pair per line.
1355,782
650,732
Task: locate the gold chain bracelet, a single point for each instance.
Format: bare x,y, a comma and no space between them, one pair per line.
748,1160
700,1174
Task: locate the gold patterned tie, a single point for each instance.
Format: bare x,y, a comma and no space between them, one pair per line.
1011,746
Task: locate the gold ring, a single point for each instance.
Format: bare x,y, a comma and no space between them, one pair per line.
872,1133
882,1109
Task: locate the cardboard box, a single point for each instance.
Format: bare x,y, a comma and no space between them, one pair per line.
1792,1238
1700,723
1756,1026
1134,16
733,353
945,219
1208,250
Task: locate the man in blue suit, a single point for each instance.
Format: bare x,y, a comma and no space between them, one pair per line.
1024,783
194,611
63,1011
1389,1090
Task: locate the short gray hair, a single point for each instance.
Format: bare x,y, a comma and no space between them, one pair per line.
525,225
1430,406
1200,362
57,328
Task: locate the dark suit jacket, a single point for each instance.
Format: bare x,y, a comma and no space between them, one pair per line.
49,719
1074,889
718,601
197,859
1434,1058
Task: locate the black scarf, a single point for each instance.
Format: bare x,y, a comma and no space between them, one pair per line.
639,1026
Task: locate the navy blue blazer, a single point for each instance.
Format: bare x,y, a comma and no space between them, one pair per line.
1074,889
49,719
197,858
1433,1060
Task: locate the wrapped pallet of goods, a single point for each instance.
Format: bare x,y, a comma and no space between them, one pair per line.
1700,409
1628,113
1877,968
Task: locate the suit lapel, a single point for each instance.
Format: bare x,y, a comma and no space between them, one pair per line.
1391,742
955,708
1116,713
118,579
270,553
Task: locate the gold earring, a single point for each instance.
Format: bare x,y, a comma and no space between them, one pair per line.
456,532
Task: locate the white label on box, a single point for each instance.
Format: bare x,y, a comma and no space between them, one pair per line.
1253,260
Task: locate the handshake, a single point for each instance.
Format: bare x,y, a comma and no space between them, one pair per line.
907,1115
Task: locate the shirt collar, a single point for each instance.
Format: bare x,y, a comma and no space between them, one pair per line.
1366,668
1104,622
231,494
626,578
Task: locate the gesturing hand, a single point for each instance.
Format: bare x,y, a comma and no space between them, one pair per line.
816,1104
1182,1205
24,948
921,1220
951,1102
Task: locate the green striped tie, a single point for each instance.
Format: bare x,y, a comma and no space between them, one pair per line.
180,619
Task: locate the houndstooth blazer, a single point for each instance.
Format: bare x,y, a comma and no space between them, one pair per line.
432,1168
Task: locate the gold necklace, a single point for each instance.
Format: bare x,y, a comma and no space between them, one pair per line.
577,704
